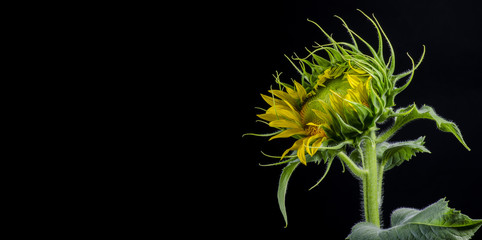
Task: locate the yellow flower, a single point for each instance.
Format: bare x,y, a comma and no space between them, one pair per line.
305,116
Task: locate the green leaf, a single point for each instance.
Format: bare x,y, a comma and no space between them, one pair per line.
436,221
396,153
283,186
410,113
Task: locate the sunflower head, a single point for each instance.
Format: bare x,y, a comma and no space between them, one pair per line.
338,98
335,107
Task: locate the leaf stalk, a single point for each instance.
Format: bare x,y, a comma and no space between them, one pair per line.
359,172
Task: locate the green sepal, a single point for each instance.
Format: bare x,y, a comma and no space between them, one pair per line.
316,158
262,134
346,129
283,186
394,154
436,221
288,170
325,153
411,72
328,165
335,55
363,113
321,61
410,113
334,132
328,152
361,117
376,103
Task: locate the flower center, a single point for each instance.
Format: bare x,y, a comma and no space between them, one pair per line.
314,130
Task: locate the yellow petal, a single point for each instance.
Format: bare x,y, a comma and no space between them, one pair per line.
359,71
274,109
323,116
301,153
268,117
307,142
358,94
353,80
321,79
271,100
284,154
288,133
291,92
301,91
277,103
353,96
286,114
284,96
282,123
313,124
336,102
317,143
327,73
295,146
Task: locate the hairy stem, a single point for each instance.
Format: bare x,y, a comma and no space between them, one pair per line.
381,170
351,165
371,183
387,134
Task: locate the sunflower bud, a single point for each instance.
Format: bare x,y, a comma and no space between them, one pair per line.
338,98
333,111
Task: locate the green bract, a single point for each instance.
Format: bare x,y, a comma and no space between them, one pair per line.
334,111
383,85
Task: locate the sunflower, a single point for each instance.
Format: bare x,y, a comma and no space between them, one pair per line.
335,107
342,95
310,113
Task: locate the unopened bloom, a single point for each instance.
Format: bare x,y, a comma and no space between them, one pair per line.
309,113
338,98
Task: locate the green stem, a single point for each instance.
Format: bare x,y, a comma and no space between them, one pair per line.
381,170
351,165
365,197
371,183
387,134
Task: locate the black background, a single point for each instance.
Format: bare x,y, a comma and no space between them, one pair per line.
249,48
